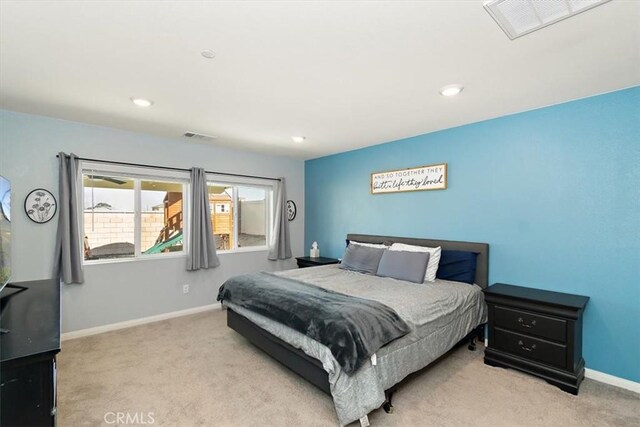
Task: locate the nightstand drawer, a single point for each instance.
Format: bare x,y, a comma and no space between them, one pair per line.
530,347
531,324
305,264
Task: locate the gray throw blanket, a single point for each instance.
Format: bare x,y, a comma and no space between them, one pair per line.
352,328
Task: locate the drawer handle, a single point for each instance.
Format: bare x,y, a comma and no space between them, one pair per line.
525,348
524,325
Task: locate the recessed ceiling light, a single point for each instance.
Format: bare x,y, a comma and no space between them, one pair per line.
451,90
141,102
209,54
298,139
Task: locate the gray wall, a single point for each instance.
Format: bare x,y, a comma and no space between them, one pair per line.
127,290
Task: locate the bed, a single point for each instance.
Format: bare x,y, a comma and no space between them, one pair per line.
441,314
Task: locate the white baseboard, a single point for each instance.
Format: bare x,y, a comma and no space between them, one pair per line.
612,380
135,322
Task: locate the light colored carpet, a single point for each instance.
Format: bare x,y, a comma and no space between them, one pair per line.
194,370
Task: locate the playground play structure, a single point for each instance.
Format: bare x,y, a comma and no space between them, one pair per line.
170,237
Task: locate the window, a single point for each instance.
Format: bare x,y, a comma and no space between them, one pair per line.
109,217
131,213
162,219
140,212
240,215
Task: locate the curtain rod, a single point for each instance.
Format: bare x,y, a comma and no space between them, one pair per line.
174,169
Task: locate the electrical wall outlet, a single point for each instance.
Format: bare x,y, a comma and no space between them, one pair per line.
185,289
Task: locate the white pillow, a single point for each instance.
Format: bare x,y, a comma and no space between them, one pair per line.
369,245
434,257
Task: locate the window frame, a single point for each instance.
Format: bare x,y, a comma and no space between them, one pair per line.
269,186
137,174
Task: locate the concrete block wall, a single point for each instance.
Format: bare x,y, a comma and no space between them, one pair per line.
102,228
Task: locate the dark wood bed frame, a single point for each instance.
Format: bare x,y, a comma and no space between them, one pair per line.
310,368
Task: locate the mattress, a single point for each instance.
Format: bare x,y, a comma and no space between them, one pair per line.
440,313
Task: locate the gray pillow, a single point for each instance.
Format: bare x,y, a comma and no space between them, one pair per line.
362,258
403,265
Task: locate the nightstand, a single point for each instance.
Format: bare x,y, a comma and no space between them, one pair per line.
307,261
537,332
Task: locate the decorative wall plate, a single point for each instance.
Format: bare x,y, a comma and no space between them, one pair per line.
40,205
291,210
5,198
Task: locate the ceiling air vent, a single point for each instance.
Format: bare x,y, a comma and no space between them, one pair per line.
199,136
520,17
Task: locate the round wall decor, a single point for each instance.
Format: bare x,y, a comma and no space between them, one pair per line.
5,198
291,210
40,205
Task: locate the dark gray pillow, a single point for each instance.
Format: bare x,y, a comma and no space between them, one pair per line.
403,265
362,258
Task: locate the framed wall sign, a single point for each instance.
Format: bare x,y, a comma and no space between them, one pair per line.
421,178
40,205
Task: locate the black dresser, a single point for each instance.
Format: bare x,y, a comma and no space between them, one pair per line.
307,261
31,314
538,332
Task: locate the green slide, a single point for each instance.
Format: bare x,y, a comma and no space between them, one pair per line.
159,247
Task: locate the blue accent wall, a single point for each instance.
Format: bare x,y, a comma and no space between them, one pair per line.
554,191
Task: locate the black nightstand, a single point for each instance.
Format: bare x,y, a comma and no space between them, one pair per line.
537,332
307,261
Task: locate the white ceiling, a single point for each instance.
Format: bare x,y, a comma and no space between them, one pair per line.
343,74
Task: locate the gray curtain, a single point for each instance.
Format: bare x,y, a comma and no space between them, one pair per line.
68,252
202,245
281,244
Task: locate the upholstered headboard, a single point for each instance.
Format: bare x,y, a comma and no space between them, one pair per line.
482,249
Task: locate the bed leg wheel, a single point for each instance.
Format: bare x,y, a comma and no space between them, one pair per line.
472,346
388,408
